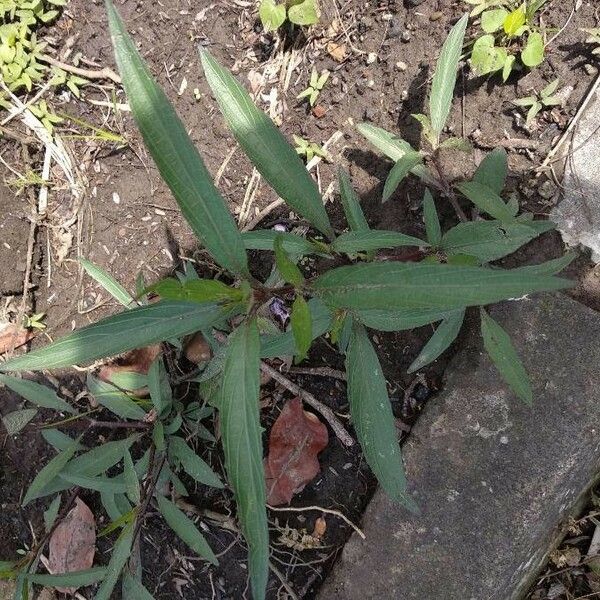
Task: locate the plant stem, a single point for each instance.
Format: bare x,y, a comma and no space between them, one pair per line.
447,188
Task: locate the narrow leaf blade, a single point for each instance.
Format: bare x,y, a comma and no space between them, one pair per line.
399,171
373,239
175,155
119,557
40,395
301,326
504,356
109,283
351,203
192,464
432,222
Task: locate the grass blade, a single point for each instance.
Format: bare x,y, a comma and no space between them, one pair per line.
185,529
498,345
192,464
135,328
240,428
111,285
440,341
400,170
373,418
120,555
265,146
40,395
73,579
175,155
551,267
444,78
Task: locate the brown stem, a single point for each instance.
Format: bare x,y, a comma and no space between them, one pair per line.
447,188
118,424
104,73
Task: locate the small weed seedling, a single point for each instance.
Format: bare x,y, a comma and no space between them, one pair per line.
545,99
315,86
273,14
309,149
340,301
510,36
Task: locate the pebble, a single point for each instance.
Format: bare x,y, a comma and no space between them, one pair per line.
589,69
371,58
403,95
406,36
401,65
436,16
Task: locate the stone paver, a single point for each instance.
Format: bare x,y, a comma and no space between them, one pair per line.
495,480
578,214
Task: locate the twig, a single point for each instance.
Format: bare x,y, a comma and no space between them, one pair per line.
325,411
284,583
319,371
118,424
105,73
329,511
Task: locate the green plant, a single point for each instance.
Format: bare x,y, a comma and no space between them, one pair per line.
509,34
273,14
315,86
593,38
343,301
546,98
35,321
309,149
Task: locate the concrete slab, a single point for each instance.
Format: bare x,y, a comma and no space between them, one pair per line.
578,213
495,480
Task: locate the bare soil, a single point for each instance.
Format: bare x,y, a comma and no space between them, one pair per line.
128,223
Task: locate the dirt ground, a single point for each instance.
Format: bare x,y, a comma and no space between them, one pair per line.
126,221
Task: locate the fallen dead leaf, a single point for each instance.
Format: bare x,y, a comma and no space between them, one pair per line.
196,349
295,440
12,336
73,542
136,361
320,528
337,51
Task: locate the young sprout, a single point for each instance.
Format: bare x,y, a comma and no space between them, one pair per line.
43,113
538,102
309,149
35,321
315,86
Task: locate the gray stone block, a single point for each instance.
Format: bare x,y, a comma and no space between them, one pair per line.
495,479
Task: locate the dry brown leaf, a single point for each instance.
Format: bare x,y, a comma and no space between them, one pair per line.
13,336
197,349
73,542
136,361
337,51
320,528
295,440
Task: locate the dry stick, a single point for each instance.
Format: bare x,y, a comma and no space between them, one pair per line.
325,411
319,371
284,583
105,73
329,511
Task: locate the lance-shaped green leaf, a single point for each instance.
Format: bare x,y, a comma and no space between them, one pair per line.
498,345
135,328
440,341
49,472
74,579
40,395
113,399
351,203
491,240
109,283
15,421
192,464
373,418
99,484
551,267
301,326
175,155
284,344
132,484
51,513
373,239
265,146
264,239
400,170
196,290
432,222
400,319
241,432
408,285
184,527
59,440
394,148
133,589
492,170
486,199
287,268
444,78
118,559
159,386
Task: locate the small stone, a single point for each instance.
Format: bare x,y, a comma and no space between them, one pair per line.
406,37
436,16
401,65
589,69
403,95
371,58
319,111
547,189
